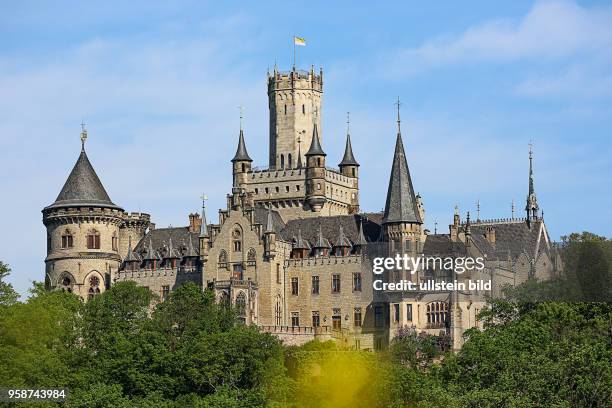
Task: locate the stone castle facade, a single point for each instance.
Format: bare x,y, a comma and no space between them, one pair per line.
292,251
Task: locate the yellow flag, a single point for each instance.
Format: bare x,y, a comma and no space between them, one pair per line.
299,41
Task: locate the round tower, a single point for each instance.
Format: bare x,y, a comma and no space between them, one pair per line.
83,230
315,173
293,97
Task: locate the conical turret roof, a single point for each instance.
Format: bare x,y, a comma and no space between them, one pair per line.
151,254
83,188
401,204
131,256
342,240
171,252
300,243
315,144
361,239
191,252
349,158
241,152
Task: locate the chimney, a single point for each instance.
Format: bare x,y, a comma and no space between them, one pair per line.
195,222
490,235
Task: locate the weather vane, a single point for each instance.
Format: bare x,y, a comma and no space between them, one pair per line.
241,108
398,104
83,135
348,122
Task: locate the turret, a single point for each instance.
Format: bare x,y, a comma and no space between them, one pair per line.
241,163
270,237
315,174
83,227
349,166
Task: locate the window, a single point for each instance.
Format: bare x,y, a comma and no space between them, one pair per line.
165,291
315,285
303,109
409,312
285,109
67,240
276,189
222,257
297,188
378,316
357,344
282,161
295,319
336,319
241,307
93,240
278,311
114,242
67,284
437,314
316,322
278,274
267,190
378,343
335,283
294,286
251,256
256,191
357,282
289,161
357,317
396,313
236,236
286,189
237,272
94,287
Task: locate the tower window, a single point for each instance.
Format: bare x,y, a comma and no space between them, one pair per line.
93,240
357,317
294,286
114,242
315,285
295,319
237,241
287,189
316,322
357,282
336,283
94,287
67,239
285,109
282,161
303,109
289,161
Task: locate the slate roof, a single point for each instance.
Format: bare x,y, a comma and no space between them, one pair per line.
349,158
401,205
513,237
315,144
330,228
261,217
160,238
83,188
441,245
241,152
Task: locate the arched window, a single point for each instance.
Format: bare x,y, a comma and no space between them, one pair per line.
241,307
303,109
222,257
67,239
282,162
94,287
289,161
237,240
115,242
93,240
66,282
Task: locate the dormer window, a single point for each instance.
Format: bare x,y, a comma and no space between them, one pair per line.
67,239
93,240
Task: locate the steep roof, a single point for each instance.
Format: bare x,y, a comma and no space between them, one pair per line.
401,205
308,228
315,144
83,188
241,152
349,158
160,236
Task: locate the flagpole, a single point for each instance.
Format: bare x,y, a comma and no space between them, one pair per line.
294,52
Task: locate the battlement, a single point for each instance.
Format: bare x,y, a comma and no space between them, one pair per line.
295,78
324,260
494,221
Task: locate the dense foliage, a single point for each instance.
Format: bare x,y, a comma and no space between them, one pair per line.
541,346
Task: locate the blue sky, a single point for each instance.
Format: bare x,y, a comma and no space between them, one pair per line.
158,84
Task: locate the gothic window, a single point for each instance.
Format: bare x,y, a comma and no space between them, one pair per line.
222,258
286,189
294,286
241,307
276,189
251,256
295,319
316,322
282,162
278,317
67,239
315,285
236,237
357,282
94,287
289,161
357,317
437,314
66,284
93,240
335,283
114,242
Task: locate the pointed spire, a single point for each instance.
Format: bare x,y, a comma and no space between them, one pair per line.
269,222
321,242
401,204
342,240
191,252
349,158
532,203
151,254
361,239
315,144
299,242
468,229
171,253
131,256
241,152
204,226
83,187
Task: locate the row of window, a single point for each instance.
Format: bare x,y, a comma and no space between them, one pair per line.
277,189
92,239
336,318
335,284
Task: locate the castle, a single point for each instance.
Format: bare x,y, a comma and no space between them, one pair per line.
292,250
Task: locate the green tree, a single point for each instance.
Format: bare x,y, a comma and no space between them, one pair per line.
8,296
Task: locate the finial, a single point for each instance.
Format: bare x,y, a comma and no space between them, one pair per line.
241,108
513,208
83,135
398,104
530,148
435,227
477,210
348,123
456,209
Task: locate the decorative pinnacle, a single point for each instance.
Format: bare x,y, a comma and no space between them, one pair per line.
398,104
83,135
477,210
512,208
